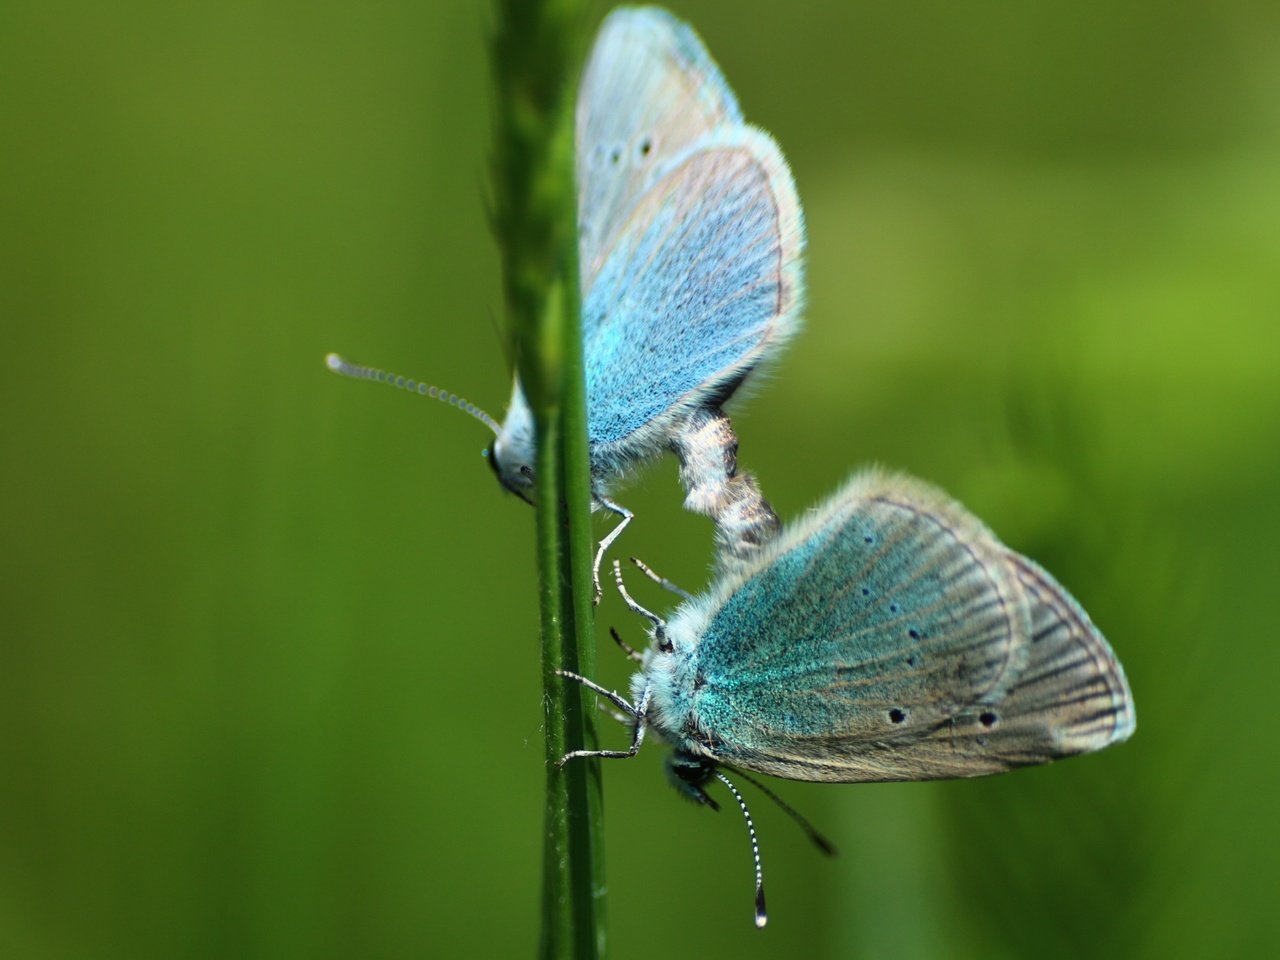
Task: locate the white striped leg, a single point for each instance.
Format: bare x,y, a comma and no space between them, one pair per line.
637,736
663,582
607,542
634,655
634,607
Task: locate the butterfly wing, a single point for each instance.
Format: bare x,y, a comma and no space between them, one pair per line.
701,282
648,93
894,638
1072,696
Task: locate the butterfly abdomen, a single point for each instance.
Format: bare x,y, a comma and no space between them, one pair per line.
708,452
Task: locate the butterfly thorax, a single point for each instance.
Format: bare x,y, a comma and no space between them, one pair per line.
687,704
670,676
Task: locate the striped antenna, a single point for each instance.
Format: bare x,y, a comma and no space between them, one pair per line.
358,371
761,917
819,841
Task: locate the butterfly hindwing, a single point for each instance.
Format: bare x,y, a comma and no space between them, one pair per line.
1072,696
701,281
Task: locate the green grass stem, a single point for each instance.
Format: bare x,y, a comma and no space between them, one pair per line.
537,53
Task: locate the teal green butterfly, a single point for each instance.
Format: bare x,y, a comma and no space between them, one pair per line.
888,635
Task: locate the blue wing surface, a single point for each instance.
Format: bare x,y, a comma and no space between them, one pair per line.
883,615
701,283
649,92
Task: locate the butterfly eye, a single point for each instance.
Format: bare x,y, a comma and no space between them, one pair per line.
664,642
615,156
645,148
896,715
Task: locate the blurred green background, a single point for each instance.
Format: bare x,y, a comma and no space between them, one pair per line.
269,682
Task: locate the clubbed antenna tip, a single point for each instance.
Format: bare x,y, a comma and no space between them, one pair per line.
761,916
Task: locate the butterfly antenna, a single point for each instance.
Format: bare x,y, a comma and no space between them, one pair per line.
761,917
819,841
358,371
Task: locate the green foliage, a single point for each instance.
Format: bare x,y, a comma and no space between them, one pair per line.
536,50
268,682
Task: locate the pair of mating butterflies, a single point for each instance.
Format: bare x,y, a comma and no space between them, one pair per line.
888,635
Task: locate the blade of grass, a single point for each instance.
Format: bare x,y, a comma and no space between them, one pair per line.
537,50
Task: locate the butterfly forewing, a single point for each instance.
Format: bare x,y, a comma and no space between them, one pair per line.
885,614
892,637
713,250
649,92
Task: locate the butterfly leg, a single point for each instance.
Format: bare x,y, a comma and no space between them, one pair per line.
639,712
607,542
663,582
632,653
616,715
611,695
659,625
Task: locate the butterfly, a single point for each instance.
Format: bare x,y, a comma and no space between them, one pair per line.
888,635
690,243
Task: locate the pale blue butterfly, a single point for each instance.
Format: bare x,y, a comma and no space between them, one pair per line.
690,258
886,636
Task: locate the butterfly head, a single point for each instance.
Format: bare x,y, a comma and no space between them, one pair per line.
511,454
